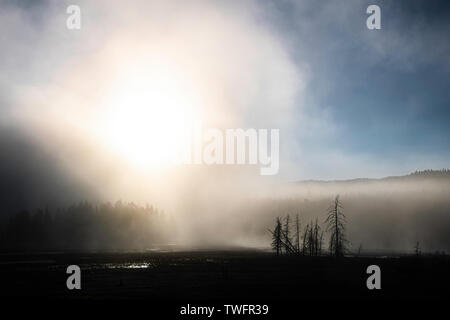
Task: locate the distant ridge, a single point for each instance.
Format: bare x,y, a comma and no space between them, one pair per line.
435,174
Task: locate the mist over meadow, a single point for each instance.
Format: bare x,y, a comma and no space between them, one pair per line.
90,118
390,214
387,215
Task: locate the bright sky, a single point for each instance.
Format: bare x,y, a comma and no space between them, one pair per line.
349,102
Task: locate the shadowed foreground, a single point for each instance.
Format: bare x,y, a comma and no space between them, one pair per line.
221,276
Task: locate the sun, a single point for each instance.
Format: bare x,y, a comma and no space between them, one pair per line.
149,112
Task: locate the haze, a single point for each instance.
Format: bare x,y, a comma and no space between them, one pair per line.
98,114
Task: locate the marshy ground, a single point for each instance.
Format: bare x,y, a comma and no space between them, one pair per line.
234,275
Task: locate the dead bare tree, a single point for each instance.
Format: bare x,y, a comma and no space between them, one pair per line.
320,243
276,237
284,243
335,222
305,239
281,240
312,239
316,238
286,235
297,234
311,242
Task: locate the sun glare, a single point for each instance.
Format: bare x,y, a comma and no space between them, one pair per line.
149,113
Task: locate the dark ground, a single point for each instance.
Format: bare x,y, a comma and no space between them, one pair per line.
220,277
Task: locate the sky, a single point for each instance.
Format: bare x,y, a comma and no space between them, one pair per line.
380,96
349,102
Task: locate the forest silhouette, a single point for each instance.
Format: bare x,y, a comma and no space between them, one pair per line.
383,214
83,226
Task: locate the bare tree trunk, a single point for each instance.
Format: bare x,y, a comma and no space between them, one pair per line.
305,235
297,234
336,202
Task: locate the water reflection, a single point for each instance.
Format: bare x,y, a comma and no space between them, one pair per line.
140,265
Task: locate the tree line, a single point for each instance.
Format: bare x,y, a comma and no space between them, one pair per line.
431,173
84,226
288,239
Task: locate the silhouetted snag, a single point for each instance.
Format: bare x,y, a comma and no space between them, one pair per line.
305,235
286,236
336,226
312,239
320,243
281,239
276,237
297,234
316,238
